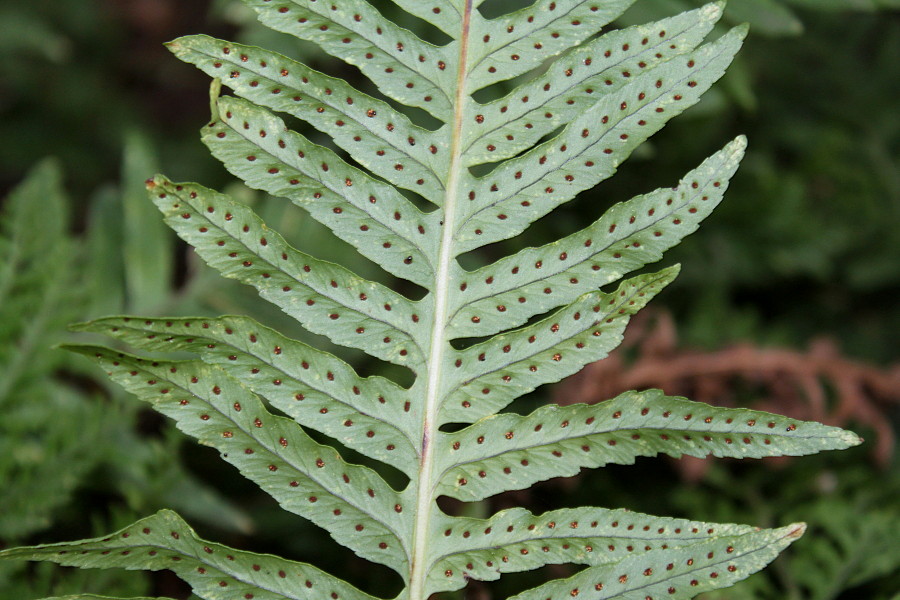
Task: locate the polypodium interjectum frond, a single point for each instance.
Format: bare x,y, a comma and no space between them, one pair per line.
538,315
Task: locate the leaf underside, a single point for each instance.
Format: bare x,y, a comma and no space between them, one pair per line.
585,103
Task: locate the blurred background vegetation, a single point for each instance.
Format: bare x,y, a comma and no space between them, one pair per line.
787,299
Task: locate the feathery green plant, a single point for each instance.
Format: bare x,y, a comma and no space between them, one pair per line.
477,340
46,396
35,278
41,462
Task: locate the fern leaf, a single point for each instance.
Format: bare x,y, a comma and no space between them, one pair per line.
379,136
315,388
520,41
256,146
494,373
628,236
475,341
40,290
590,148
568,88
516,540
353,503
403,66
678,573
34,275
324,297
508,451
164,541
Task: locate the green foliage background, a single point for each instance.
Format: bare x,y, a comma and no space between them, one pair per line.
805,245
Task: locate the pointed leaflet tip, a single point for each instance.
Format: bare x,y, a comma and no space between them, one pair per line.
604,532
154,181
667,275
174,46
796,530
736,149
656,282
713,11
851,439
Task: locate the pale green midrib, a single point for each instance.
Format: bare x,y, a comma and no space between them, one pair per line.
439,342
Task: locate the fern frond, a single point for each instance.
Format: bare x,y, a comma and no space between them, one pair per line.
40,290
34,273
848,551
476,340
